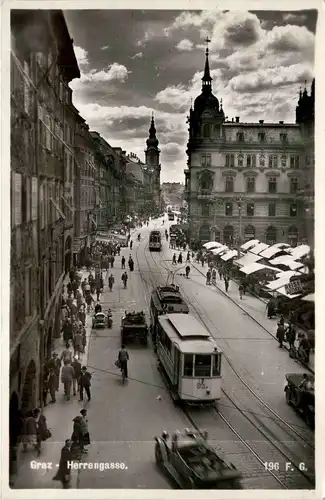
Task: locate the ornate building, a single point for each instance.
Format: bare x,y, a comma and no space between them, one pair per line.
152,154
243,179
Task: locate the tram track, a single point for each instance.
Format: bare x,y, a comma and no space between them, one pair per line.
260,448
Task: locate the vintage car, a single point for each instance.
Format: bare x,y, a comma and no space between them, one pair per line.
191,463
134,327
302,398
100,320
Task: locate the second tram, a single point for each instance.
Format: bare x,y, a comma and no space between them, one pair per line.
155,241
189,359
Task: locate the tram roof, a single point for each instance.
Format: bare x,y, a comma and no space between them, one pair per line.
190,335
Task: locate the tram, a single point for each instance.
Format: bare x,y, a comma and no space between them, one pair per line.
171,216
165,299
155,241
189,359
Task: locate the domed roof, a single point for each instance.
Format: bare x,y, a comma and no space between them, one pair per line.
152,141
206,101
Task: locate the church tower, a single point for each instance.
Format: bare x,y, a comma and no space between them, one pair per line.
152,161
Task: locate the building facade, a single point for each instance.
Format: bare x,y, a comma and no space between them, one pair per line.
42,65
243,179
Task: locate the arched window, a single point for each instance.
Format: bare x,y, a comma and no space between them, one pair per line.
250,184
271,235
262,160
293,185
272,184
240,160
228,235
206,182
253,160
293,236
232,160
204,233
206,131
249,232
248,161
227,160
283,161
229,187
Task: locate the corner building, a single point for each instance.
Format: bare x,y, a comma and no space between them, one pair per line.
247,180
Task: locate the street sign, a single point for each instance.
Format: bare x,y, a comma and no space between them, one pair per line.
294,287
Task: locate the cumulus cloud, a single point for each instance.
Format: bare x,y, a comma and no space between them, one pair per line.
138,55
172,149
290,38
105,47
270,78
294,17
82,56
185,45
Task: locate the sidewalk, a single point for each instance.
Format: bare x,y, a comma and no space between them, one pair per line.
59,418
253,307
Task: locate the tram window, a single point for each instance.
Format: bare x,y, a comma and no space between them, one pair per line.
216,367
188,365
202,366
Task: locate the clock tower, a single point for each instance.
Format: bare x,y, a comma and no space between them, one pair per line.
152,161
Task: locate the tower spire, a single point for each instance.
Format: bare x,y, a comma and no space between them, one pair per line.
152,141
206,80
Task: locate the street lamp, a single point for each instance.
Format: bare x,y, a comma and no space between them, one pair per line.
240,201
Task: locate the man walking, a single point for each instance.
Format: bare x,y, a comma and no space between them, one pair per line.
123,357
67,375
54,364
77,372
123,262
52,384
111,282
84,383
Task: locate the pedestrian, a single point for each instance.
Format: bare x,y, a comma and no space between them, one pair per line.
45,386
64,471
174,259
214,276
241,290
85,439
83,285
123,262
84,338
180,258
89,300
67,375
77,343
52,384
79,299
188,257
280,334
131,244
123,357
30,432
43,433
98,293
131,263
291,335
226,283
208,276
281,320
82,314
202,261
84,383
69,289
220,273
124,278
270,309
187,271
76,365
75,287
55,364
112,261
66,354
111,282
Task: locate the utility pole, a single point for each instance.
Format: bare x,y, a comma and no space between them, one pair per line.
240,200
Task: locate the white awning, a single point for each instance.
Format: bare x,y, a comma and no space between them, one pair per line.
281,245
254,267
217,251
270,252
282,291
309,298
259,248
58,209
289,274
249,244
229,255
212,244
300,251
288,261
249,258
278,283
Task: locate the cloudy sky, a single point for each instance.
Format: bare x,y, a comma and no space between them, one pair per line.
136,62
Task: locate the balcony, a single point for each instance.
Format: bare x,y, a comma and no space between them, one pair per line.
204,194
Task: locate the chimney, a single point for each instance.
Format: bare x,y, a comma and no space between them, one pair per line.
237,119
281,122
261,122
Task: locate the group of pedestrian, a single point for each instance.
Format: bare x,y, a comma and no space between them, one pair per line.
34,430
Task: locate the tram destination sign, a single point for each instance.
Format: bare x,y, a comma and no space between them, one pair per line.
294,287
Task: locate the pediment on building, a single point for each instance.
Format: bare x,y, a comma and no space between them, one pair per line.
294,173
272,173
250,173
229,172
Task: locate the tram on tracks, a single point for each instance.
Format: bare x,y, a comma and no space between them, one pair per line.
155,241
189,359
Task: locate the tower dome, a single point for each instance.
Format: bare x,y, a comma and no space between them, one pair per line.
152,141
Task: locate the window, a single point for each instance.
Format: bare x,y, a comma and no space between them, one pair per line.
262,161
261,136
17,195
294,161
206,131
273,161
272,184
208,163
34,198
228,208
293,185
216,365
28,292
27,93
217,130
227,160
250,209
228,235
205,210
272,209
240,160
229,188
253,161
283,138
271,235
232,160
202,365
283,161
250,184
240,137
248,160
188,365
293,210
249,232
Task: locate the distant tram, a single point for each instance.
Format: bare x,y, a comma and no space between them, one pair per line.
165,299
155,241
189,359
171,216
